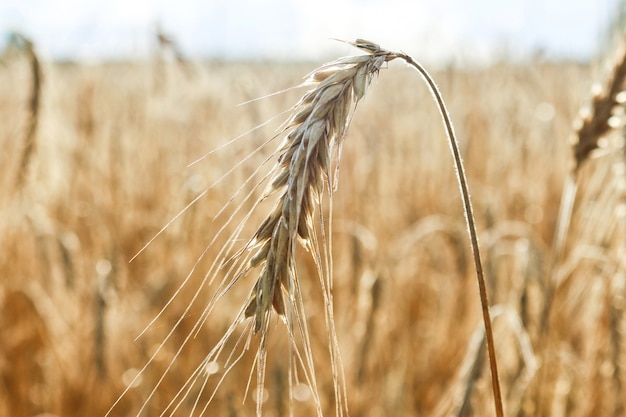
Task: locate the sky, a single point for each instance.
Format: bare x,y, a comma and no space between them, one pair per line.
435,30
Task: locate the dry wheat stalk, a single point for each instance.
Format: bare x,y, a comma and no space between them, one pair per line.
318,123
593,123
320,119
314,137
471,229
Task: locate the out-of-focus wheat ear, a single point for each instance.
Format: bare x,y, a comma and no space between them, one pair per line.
596,120
34,101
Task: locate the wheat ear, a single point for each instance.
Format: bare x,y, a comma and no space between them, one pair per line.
313,138
593,123
316,127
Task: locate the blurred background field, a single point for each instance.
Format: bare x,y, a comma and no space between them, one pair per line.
110,169
96,160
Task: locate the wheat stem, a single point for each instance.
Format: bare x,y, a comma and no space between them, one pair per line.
469,218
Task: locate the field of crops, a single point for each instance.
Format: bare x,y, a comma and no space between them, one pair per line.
110,165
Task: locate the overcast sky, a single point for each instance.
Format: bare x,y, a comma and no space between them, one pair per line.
279,29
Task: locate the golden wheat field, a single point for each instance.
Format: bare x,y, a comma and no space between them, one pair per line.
110,167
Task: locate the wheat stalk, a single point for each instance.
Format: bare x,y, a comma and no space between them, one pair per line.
313,140
321,117
594,122
471,227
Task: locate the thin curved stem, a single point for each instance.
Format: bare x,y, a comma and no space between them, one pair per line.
469,218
